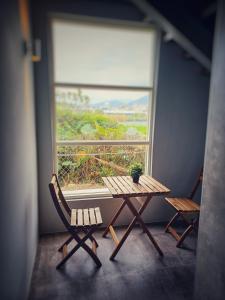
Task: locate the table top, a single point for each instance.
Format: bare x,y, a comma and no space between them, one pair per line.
121,186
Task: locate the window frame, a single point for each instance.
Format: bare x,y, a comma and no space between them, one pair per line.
84,194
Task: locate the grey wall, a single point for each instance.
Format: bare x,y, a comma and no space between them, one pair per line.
210,275
180,122
18,179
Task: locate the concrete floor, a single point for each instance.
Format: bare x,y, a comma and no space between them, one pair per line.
137,273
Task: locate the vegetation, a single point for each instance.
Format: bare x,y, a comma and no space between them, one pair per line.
136,170
82,167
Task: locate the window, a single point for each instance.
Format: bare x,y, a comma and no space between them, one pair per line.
103,87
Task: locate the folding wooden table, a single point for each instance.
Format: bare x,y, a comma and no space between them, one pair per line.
124,188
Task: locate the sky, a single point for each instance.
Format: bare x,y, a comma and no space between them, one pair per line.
103,95
97,54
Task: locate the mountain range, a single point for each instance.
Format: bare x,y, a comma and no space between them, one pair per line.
111,104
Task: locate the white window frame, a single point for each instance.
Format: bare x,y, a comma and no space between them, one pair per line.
104,193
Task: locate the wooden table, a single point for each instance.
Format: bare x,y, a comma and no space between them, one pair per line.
124,188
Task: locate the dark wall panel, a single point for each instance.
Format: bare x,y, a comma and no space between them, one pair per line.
180,123
18,178
210,276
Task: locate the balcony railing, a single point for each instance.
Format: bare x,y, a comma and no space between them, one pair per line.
81,165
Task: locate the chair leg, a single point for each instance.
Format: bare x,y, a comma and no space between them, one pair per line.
171,221
81,243
184,235
92,238
65,243
92,254
190,228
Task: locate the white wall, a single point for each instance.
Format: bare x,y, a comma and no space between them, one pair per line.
180,122
18,173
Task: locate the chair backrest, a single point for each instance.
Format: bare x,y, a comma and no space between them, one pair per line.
197,183
60,194
57,196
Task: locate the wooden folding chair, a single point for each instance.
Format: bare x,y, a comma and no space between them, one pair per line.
185,207
76,220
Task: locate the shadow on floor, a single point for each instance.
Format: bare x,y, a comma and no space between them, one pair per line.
137,273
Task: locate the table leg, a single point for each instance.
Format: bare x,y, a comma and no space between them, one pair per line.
138,217
114,218
140,211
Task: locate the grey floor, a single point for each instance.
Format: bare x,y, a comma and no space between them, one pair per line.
137,273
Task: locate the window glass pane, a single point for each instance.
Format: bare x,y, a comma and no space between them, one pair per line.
93,114
81,167
106,55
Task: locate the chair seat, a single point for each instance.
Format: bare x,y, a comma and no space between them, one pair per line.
183,204
86,217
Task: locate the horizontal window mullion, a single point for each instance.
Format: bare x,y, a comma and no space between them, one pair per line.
100,142
99,86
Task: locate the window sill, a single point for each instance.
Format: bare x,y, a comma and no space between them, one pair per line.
91,194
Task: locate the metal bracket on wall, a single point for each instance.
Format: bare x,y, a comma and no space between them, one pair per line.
33,48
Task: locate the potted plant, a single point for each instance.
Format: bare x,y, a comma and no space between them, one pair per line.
136,170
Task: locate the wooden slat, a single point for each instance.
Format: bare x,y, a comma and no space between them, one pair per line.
147,180
181,204
114,236
86,217
149,184
53,181
115,186
174,203
80,221
74,217
140,187
124,186
137,188
56,190
121,186
92,216
160,185
109,185
133,188
193,204
187,204
184,204
130,188
98,215
143,188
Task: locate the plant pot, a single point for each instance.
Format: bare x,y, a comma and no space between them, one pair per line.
136,178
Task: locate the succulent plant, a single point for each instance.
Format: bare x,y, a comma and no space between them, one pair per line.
136,170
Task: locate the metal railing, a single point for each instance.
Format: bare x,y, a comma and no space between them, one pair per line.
81,164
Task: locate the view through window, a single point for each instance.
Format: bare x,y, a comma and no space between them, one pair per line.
103,81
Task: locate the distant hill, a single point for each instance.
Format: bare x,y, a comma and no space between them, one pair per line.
140,101
120,103
113,103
